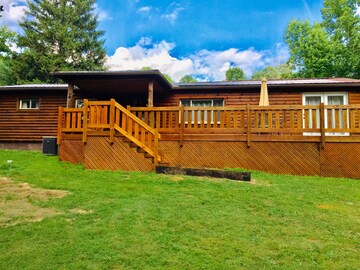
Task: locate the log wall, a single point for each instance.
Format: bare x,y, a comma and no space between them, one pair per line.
231,98
29,125
245,97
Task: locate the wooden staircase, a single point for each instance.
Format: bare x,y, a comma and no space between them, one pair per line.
110,119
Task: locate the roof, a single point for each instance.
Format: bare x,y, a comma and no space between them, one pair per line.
270,83
134,81
137,81
34,86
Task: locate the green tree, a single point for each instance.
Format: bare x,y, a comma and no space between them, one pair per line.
59,35
7,38
187,79
6,75
235,74
283,71
168,78
330,48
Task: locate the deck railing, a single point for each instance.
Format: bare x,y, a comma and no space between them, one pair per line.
142,124
286,120
106,118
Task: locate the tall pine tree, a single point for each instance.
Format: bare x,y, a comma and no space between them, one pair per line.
58,35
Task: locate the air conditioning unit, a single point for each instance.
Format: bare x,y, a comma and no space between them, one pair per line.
49,146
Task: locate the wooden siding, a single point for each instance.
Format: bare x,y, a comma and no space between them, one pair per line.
354,98
30,124
232,98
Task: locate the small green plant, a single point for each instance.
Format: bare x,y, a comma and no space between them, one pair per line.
7,167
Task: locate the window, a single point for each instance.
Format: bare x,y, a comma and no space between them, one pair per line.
327,99
202,103
79,103
29,104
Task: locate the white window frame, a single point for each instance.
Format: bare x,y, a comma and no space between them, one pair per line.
79,102
324,99
205,114
31,102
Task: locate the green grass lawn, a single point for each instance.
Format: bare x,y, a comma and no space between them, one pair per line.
120,220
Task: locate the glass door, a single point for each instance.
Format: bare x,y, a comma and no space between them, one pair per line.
327,99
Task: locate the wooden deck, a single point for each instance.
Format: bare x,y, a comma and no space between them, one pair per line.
309,140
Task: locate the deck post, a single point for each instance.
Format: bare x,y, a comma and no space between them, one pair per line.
128,107
248,130
156,148
85,120
151,93
60,119
70,100
182,125
322,125
112,120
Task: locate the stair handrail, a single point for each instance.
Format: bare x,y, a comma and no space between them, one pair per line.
136,119
156,136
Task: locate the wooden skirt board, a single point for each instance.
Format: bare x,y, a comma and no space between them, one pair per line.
101,155
274,157
336,160
341,160
71,151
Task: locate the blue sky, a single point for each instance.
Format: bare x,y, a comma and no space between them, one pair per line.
201,38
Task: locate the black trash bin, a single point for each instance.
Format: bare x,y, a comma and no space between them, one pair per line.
49,146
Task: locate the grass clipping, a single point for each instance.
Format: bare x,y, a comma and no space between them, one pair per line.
17,202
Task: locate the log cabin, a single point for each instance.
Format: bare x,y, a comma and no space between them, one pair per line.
135,120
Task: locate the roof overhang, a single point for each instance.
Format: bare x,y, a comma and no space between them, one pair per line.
115,81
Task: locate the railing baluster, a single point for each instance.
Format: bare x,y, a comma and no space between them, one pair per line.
60,124
85,120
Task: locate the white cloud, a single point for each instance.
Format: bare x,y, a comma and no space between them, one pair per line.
173,15
157,57
144,9
205,65
14,10
103,15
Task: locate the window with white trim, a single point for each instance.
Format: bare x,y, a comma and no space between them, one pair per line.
79,103
25,104
336,98
202,103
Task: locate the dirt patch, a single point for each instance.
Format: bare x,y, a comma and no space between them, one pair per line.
324,206
260,182
17,202
177,178
81,211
